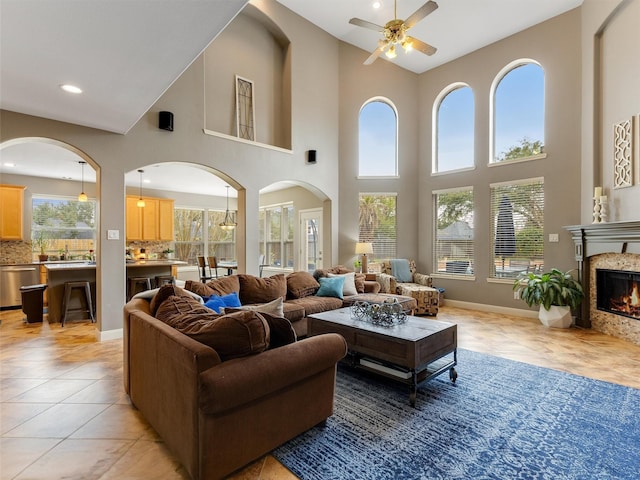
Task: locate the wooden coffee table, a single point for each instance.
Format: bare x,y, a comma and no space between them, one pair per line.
413,352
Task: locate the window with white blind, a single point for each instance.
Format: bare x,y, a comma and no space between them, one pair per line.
453,245
454,134
377,221
517,226
276,235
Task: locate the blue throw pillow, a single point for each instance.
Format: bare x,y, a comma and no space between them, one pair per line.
330,287
400,269
215,302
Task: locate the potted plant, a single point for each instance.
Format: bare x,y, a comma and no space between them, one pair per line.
168,253
556,292
356,265
42,241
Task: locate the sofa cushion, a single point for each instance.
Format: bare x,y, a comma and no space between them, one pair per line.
216,286
349,286
315,304
178,310
331,287
281,331
293,312
301,284
158,295
359,280
274,307
219,302
261,290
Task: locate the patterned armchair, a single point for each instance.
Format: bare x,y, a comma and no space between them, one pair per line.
399,276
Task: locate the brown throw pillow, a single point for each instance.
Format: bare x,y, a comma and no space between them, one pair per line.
301,284
166,291
232,336
177,311
217,286
261,290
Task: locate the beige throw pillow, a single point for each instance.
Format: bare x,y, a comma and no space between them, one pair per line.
349,287
274,308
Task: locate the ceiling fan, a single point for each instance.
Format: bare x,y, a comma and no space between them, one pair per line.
394,33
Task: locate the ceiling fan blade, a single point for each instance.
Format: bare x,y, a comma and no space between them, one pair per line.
372,58
419,14
363,23
421,46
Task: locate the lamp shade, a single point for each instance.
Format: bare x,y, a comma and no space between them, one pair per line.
364,248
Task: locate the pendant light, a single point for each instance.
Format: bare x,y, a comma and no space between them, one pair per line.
228,223
140,200
83,196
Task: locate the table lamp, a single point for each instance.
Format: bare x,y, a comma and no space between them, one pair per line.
363,248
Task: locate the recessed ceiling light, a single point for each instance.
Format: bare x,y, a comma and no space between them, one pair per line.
146,180
70,88
9,164
377,5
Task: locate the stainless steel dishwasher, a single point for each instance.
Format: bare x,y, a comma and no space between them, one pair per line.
12,277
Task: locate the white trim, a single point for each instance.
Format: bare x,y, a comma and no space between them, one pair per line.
452,190
247,142
105,336
491,308
447,172
453,276
517,160
381,177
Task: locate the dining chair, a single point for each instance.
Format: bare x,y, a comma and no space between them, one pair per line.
213,266
202,265
261,264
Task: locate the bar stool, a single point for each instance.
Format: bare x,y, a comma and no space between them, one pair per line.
161,280
85,289
134,282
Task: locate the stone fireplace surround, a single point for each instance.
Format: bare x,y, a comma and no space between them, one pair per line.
614,246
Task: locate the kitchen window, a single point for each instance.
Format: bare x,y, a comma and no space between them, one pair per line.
63,226
192,239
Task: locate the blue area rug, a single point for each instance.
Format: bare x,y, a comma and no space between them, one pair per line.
500,420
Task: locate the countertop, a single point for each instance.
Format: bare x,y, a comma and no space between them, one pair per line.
87,265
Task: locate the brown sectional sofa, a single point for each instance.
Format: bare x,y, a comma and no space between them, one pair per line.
218,410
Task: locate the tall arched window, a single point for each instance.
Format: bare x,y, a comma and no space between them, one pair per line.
518,112
454,129
378,139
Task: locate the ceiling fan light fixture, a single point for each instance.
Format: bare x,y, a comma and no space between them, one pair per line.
391,53
407,45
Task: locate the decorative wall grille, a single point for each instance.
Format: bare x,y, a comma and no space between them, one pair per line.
245,115
623,154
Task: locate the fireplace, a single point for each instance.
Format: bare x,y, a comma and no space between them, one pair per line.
617,292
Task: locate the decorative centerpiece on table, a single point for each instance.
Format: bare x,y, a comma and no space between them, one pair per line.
386,314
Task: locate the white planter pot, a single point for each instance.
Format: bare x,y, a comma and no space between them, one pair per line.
557,317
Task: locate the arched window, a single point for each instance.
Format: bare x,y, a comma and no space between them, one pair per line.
453,129
378,139
518,112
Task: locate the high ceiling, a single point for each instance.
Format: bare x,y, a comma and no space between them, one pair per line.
124,54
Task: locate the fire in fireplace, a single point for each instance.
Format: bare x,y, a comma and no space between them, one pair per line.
618,292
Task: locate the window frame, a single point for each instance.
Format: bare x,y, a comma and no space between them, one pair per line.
286,240
381,250
203,246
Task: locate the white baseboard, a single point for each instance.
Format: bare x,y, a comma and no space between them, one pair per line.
518,312
109,334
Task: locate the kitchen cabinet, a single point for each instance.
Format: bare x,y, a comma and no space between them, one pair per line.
11,211
154,221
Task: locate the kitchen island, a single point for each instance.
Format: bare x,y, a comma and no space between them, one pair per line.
59,273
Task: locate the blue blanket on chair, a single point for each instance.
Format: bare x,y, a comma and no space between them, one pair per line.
400,270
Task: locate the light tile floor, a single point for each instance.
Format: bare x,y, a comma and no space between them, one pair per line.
64,413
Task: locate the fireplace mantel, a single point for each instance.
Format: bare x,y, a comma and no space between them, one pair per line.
596,239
